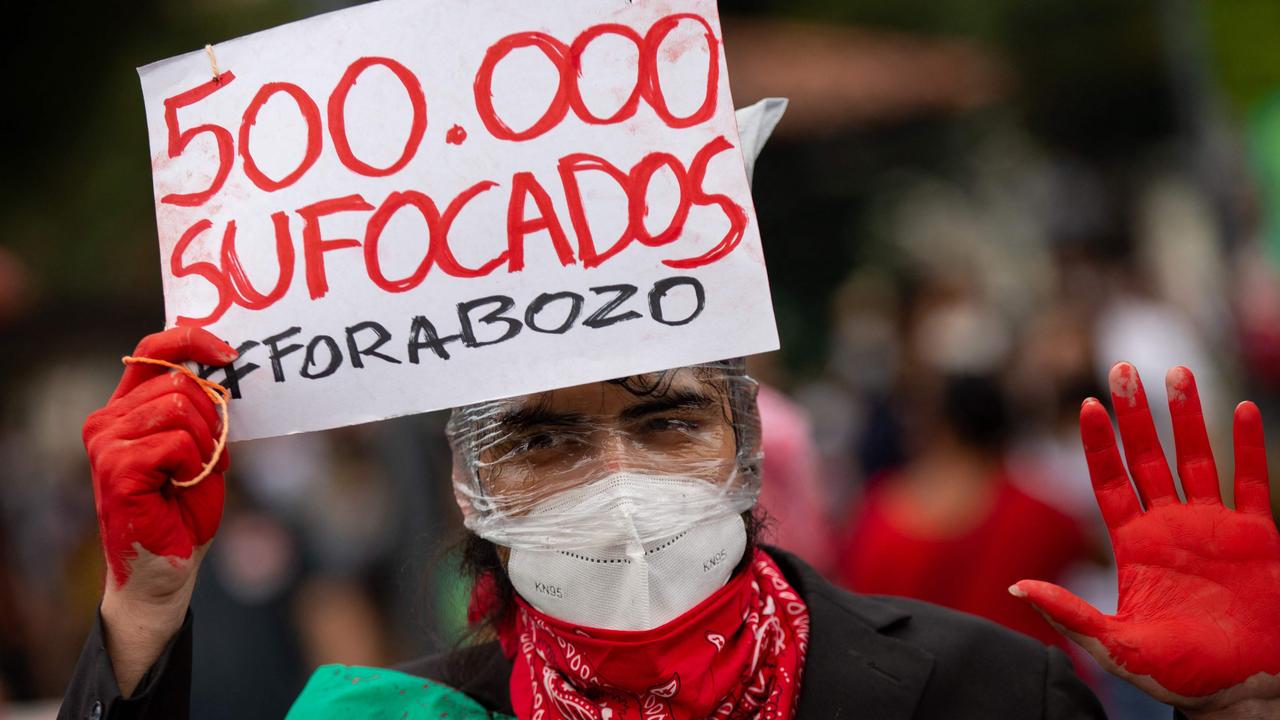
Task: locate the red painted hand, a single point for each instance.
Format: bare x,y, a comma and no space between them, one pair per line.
158,424
1198,622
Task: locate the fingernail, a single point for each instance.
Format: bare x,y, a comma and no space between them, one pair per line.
1016,591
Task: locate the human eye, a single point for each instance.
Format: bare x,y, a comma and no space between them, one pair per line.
536,441
672,424
542,444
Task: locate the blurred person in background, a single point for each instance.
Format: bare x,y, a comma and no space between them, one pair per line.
48,525
323,534
1054,368
951,526
796,492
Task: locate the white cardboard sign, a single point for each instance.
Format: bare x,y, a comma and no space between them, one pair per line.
412,205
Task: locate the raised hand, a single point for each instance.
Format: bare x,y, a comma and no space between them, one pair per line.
158,425
1198,621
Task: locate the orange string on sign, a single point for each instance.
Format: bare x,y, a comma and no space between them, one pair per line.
217,393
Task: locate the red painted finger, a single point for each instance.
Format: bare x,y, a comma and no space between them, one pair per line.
165,413
169,384
224,461
129,468
202,506
1196,468
175,345
1142,450
1111,485
96,427
170,454
1253,490
1062,607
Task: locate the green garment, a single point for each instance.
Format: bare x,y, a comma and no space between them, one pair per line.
351,692
1264,150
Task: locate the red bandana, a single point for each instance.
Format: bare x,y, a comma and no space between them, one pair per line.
737,654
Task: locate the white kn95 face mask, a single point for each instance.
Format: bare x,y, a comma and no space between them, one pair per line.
626,583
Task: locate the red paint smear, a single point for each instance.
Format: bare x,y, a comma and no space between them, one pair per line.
179,139
456,135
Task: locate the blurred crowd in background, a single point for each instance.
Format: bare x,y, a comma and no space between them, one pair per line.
970,212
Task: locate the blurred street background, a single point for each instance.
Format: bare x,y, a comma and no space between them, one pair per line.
970,211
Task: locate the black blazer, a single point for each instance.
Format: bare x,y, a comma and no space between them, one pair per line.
879,658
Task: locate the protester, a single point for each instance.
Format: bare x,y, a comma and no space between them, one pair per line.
618,570
952,528
617,562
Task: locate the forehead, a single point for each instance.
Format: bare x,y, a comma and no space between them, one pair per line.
613,397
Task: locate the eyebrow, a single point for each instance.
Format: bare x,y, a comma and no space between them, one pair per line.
677,400
534,417
528,418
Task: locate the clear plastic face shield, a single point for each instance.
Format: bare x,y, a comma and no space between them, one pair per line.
552,470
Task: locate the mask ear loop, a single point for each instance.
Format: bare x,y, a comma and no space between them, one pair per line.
217,393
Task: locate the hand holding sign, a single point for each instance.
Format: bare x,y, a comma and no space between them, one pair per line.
158,426
1198,624
387,215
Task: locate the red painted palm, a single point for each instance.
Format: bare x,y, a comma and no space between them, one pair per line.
1198,622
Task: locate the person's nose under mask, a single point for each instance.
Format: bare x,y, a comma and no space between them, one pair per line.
630,579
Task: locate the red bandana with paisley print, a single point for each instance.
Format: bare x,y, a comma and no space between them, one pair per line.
737,654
